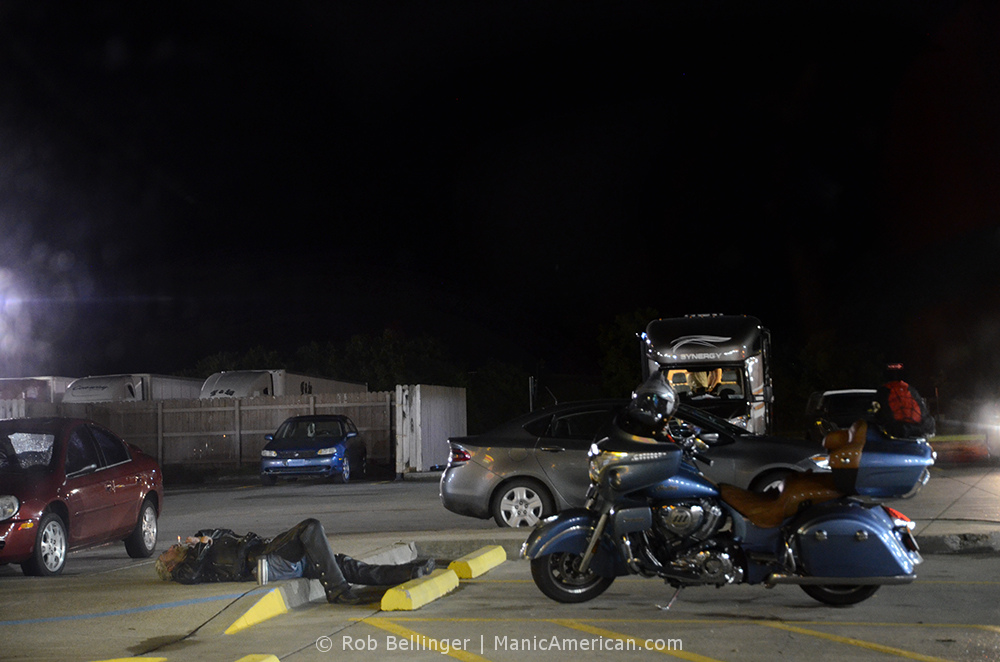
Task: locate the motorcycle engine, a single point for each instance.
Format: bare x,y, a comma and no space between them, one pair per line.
684,543
687,523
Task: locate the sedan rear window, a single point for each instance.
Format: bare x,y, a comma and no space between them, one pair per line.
583,425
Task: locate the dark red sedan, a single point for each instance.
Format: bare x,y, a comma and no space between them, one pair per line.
68,483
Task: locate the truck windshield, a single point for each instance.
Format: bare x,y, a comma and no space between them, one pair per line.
719,390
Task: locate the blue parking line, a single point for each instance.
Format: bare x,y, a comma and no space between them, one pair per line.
123,612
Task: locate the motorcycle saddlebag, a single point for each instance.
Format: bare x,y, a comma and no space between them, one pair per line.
840,539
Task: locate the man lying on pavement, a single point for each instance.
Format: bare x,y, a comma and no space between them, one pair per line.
219,555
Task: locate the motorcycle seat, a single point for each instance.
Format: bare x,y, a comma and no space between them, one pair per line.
801,490
770,509
845,446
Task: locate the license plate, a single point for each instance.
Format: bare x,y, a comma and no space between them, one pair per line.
295,463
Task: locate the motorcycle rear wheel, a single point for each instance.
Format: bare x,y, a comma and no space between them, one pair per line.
840,596
556,576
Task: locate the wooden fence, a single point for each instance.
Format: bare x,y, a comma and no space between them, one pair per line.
407,429
223,431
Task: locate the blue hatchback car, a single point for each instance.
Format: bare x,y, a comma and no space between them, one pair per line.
325,446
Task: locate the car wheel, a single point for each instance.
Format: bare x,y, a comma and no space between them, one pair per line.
267,480
49,555
770,481
521,502
142,541
345,474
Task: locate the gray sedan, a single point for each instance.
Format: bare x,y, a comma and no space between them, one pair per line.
537,465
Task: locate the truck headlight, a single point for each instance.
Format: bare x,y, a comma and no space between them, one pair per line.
8,506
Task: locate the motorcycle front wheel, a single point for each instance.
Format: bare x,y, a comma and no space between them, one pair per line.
556,576
840,596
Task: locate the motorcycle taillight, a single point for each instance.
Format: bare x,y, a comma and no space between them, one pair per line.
898,518
895,514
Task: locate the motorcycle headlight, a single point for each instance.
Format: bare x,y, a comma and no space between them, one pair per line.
8,506
600,461
267,453
327,451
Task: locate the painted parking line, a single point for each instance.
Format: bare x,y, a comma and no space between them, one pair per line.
851,641
125,612
641,643
411,640
609,629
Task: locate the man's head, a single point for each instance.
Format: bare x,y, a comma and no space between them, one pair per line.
170,559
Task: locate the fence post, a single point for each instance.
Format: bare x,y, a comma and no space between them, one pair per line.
159,432
239,433
402,425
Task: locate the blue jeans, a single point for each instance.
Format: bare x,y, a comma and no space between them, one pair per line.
304,551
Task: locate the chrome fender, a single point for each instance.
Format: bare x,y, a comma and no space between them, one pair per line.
569,533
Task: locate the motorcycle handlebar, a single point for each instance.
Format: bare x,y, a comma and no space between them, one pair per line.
701,457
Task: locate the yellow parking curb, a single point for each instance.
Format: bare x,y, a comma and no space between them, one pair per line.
418,592
271,605
136,659
258,658
478,562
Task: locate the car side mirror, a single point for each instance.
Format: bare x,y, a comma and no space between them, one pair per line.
268,437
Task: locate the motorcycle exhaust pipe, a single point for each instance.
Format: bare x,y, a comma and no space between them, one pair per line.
778,578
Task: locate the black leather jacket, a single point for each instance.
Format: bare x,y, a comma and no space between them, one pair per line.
227,558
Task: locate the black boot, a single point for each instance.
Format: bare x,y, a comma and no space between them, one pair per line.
359,572
342,595
418,570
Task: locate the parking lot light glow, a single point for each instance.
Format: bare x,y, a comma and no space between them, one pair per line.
12,318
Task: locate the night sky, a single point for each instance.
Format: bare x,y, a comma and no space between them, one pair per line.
183,178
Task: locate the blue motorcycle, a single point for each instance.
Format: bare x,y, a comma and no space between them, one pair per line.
651,512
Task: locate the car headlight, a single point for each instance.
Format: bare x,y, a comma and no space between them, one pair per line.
8,506
267,453
327,451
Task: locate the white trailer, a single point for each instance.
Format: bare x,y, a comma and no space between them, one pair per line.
253,383
132,388
720,363
34,389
